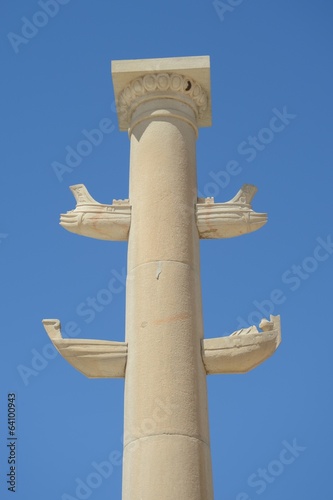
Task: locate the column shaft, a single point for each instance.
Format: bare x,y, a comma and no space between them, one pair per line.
166,435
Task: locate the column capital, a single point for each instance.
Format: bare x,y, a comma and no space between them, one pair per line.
182,78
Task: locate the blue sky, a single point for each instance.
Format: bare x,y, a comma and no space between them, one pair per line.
267,58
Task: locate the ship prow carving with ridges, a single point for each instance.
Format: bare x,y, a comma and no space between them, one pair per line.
97,220
229,219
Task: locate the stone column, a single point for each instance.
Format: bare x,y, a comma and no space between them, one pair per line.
164,358
166,434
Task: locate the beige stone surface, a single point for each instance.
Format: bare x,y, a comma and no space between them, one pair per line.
165,359
180,463
97,220
229,219
93,358
163,313
132,78
243,350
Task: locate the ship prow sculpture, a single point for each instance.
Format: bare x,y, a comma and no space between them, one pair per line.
233,218
243,350
97,220
93,358
164,357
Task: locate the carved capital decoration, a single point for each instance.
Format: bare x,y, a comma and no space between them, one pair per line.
161,85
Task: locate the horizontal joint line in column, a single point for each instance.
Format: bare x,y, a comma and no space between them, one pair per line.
161,262
171,434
